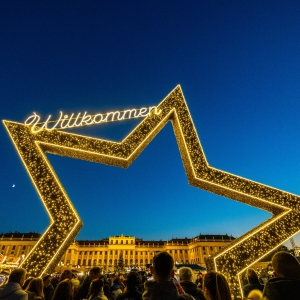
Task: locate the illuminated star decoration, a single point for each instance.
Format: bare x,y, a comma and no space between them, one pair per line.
65,222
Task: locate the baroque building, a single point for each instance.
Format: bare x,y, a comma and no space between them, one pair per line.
105,253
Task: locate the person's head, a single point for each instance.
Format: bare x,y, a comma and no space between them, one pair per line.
186,274
117,280
47,280
216,287
94,273
63,290
18,275
36,286
132,280
66,274
95,287
255,295
251,274
26,283
285,265
162,268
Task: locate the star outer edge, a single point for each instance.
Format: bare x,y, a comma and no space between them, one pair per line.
245,250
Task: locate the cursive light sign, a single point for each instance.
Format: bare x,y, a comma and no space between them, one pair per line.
66,121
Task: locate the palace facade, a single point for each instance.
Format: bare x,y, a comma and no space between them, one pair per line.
105,253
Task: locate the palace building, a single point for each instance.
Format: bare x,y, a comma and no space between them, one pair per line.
105,253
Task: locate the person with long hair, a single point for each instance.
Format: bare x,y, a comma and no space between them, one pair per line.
96,290
63,291
253,284
35,289
26,283
132,285
216,287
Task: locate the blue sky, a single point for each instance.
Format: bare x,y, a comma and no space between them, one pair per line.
238,63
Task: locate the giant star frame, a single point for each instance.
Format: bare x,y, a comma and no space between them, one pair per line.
65,223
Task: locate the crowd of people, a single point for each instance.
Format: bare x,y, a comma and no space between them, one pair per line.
163,285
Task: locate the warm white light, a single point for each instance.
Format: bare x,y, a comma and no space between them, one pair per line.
64,122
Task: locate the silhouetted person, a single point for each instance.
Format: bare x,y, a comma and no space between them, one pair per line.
286,284
12,290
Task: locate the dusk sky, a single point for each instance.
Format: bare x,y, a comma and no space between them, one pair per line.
238,63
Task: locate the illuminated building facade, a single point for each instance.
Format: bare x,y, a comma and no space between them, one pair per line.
105,253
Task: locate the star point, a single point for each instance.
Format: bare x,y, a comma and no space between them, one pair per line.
66,223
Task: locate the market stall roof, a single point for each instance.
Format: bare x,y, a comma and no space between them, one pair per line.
192,266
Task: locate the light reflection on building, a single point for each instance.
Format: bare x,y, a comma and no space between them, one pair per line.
136,252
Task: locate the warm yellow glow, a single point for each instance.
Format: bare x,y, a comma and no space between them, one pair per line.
65,222
66,121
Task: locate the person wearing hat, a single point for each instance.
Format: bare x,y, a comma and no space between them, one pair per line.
48,287
132,285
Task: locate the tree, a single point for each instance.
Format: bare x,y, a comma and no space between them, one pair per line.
120,265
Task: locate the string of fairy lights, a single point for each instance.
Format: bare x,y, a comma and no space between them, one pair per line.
65,222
